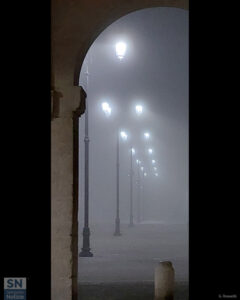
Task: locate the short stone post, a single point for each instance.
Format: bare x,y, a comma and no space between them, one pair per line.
164,281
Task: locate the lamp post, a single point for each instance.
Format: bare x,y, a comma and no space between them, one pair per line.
117,220
143,194
138,191
120,49
107,110
120,52
132,152
86,231
142,188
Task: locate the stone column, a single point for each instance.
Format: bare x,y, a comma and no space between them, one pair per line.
62,194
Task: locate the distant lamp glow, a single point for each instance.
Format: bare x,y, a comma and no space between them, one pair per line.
153,161
156,174
155,169
133,151
121,48
142,168
145,174
150,151
123,135
147,135
139,109
106,109
137,161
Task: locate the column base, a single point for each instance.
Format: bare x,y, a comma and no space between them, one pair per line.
85,253
117,233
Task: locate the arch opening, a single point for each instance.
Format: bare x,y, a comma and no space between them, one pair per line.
152,75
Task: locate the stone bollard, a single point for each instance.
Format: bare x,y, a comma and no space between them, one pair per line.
164,281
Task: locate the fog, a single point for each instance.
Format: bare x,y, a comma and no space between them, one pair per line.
154,73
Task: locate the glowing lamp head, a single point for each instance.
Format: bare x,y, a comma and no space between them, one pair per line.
145,174
142,168
155,169
150,151
106,109
156,174
146,135
123,135
153,161
133,151
121,48
139,109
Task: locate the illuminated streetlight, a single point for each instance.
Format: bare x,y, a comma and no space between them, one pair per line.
145,174
133,151
123,135
120,48
155,169
139,109
147,135
153,161
150,151
156,174
142,168
106,109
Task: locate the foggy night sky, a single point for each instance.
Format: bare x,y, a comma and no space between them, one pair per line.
153,73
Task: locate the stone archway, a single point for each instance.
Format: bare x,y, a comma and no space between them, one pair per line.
75,25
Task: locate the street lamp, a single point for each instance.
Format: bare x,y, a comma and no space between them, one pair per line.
156,174
146,135
138,191
150,151
153,161
123,135
117,232
143,185
155,169
132,151
139,109
86,231
106,109
120,48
